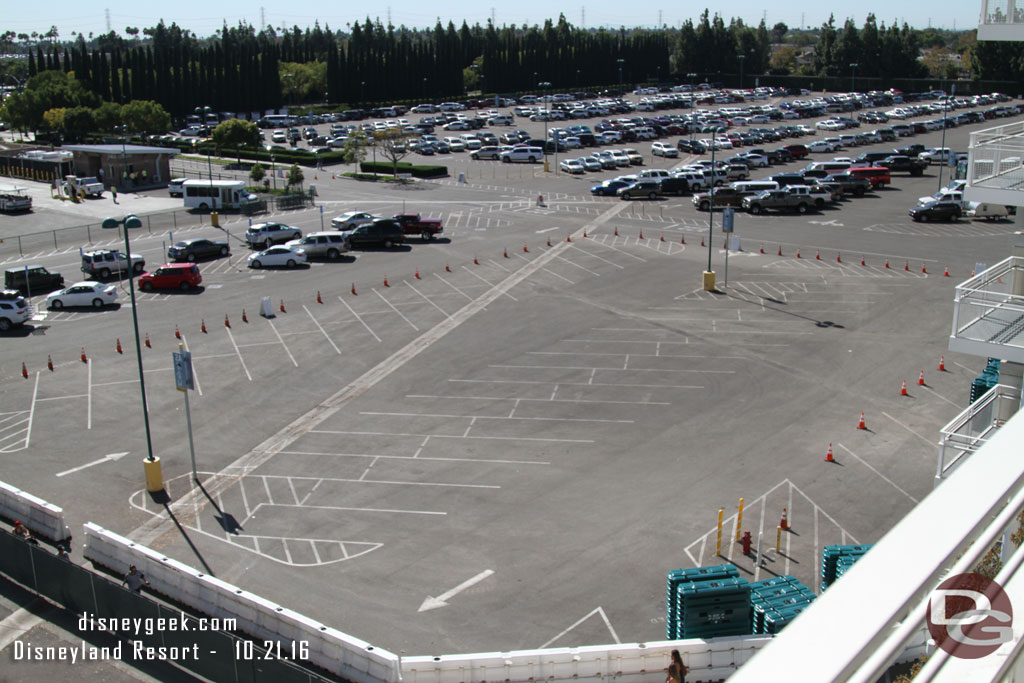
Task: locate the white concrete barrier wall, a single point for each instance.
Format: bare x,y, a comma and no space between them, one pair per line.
330,649
42,518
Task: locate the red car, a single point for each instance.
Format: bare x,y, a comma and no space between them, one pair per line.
171,276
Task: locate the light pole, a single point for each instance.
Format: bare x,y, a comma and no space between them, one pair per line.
709,275
545,85
202,112
945,109
689,123
154,478
273,173
742,59
853,74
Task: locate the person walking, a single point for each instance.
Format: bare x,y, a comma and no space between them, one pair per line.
676,670
134,579
113,192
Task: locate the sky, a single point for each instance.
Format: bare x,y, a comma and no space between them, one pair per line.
204,17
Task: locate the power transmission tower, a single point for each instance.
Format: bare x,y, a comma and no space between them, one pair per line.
107,12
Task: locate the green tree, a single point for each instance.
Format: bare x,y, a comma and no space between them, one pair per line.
779,32
354,150
257,173
394,146
295,176
79,121
107,116
235,133
783,60
53,119
145,116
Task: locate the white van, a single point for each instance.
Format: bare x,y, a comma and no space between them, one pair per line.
754,186
530,155
830,166
653,174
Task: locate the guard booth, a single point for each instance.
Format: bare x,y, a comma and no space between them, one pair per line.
128,167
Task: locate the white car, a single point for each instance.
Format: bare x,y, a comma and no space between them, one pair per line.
664,149
820,146
620,157
455,144
755,160
351,219
456,125
590,163
281,255
572,166
95,294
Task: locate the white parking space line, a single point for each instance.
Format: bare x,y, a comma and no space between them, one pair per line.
623,341
551,272
320,327
455,416
381,456
393,308
635,355
540,400
360,319
470,271
576,265
31,412
930,442
590,367
595,256
238,352
872,468
283,345
498,266
438,276
427,299
938,395
451,436
581,384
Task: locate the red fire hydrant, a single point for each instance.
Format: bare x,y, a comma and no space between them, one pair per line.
746,542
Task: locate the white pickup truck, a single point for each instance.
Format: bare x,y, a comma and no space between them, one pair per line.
89,187
13,199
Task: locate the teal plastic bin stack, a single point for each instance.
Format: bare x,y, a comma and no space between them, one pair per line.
986,380
707,602
777,601
836,559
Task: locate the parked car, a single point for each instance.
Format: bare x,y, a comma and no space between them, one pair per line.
29,279
383,232
723,196
95,294
936,211
651,189
197,248
608,188
267,234
280,255
176,188
103,262
328,245
171,276
14,309
352,219
664,149
573,166
415,224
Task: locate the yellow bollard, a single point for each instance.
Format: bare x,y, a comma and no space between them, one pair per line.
154,475
739,520
718,543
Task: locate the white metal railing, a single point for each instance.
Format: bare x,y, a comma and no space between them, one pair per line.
995,157
1002,12
971,429
988,317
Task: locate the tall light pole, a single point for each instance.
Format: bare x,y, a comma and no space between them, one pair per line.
853,74
945,109
742,59
154,479
689,124
709,275
202,113
547,114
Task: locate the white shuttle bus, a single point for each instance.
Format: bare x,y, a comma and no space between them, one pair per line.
217,194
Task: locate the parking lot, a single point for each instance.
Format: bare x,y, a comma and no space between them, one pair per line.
543,406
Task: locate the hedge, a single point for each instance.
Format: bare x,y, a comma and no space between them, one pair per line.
387,168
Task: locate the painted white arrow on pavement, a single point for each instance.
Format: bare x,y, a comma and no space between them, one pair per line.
110,457
439,601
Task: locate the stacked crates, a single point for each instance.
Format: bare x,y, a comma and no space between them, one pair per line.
986,380
836,559
707,602
777,601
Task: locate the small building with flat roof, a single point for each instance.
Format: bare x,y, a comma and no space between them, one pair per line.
127,167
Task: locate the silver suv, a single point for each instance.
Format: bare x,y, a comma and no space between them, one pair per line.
329,245
14,310
104,262
268,234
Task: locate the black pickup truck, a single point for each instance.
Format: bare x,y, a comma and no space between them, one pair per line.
899,163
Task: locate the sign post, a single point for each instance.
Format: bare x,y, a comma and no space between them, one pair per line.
184,380
728,215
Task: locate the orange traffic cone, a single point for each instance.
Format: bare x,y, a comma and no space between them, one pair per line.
177,332
319,299
861,424
148,345
762,247
946,273
202,325
923,269
227,323
118,347
886,263
682,239
525,250
616,233
476,261
24,370
568,238
84,359
906,266
942,363
282,307
862,261
386,284
245,318
798,253
838,258
584,234
903,389
447,268
641,234
817,255
49,363
662,238
784,522
505,253
353,290
702,241
828,456
920,379
549,241
417,274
